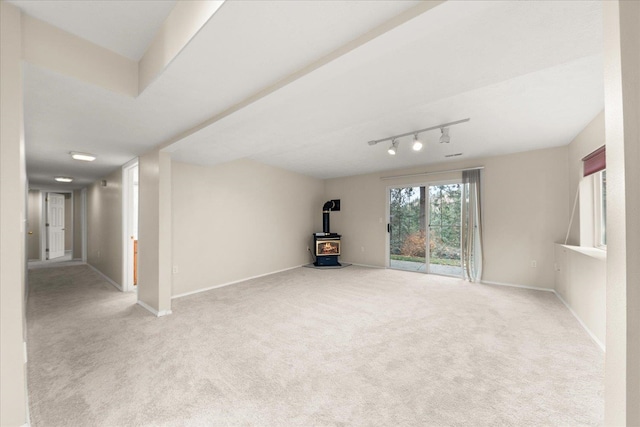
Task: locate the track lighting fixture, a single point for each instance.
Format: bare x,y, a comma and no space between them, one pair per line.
417,144
394,147
444,138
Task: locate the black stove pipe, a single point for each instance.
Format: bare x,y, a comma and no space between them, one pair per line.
326,209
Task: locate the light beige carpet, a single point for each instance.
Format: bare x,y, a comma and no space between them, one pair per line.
307,347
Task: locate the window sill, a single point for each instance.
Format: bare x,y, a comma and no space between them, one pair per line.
600,254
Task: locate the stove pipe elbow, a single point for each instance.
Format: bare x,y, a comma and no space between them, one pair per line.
326,209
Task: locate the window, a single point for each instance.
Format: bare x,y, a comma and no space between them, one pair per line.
600,209
594,166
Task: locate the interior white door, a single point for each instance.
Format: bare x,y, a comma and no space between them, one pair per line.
55,222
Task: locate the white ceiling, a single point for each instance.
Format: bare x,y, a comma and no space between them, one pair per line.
125,27
527,73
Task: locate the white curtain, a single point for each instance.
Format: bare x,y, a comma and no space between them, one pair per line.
471,226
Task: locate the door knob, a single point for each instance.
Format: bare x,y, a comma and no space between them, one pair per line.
31,232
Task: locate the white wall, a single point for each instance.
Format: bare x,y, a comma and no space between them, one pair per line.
525,213
622,122
587,141
68,222
49,47
77,224
13,190
239,220
581,282
34,213
581,273
154,232
104,226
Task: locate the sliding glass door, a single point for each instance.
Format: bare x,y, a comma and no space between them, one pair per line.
418,212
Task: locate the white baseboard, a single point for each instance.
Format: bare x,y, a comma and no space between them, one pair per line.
513,285
591,334
593,337
233,283
107,278
366,265
153,310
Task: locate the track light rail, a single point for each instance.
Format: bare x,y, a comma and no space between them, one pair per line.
415,132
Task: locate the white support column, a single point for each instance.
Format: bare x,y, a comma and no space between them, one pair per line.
13,387
155,233
622,120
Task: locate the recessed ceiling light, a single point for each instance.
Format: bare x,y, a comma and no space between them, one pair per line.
85,157
63,178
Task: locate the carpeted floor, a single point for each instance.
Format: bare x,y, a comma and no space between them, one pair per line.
308,347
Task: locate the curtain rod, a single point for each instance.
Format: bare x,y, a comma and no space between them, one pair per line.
431,173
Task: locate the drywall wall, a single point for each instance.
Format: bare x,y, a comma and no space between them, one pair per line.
588,140
50,47
104,226
77,224
34,213
13,192
581,279
154,232
622,123
68,222
525,211
580,275
239,220
177,30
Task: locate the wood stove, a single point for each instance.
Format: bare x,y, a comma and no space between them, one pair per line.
327,244
327,249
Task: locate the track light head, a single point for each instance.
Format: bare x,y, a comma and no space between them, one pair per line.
444,138
394,148
417,144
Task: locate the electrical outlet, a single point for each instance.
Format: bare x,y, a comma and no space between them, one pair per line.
534,264
362,248
175,269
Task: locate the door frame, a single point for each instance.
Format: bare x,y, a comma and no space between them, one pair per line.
127,207
44,233
63,229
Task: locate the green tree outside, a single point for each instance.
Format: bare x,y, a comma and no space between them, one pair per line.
408,234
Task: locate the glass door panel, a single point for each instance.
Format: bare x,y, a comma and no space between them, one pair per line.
444,229
407,228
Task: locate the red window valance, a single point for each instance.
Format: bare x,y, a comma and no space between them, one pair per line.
595,162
